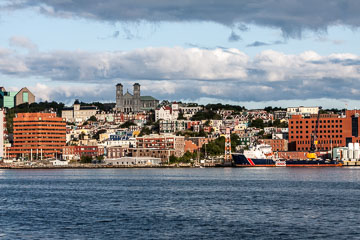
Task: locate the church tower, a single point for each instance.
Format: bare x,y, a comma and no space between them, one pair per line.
136,94
119,97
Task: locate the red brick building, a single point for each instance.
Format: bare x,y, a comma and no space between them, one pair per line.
277,144
168,142
333,131
38,136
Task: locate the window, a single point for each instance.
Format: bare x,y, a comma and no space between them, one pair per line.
25,97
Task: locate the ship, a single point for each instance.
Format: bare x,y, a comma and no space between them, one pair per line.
261,155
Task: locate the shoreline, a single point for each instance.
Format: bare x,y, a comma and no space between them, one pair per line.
149,167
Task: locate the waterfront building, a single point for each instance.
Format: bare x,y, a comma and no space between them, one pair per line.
155,141
38,136
2,131
333,130
133,161
75,152
115,152
78,113
277,144
163,154
133,102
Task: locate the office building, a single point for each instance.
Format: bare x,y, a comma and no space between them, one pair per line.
38,136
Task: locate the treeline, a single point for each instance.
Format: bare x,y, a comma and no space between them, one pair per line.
32,108
219,106
259,123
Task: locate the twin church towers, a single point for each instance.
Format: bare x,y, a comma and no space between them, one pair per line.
133,102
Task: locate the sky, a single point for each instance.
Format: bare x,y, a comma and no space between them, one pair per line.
251,53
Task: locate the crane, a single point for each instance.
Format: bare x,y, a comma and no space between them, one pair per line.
313,142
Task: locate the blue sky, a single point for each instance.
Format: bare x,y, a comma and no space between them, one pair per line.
251,54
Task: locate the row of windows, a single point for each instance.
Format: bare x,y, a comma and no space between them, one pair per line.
319,131
315,121
321,136
320,126
320,142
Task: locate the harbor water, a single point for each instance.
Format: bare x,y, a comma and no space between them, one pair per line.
207,203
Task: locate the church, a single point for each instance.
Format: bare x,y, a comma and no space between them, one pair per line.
133,102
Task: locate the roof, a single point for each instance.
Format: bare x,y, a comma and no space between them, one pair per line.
88,108
148,98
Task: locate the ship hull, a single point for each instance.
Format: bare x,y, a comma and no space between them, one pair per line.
240,160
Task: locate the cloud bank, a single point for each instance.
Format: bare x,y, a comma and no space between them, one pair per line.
291,16
180,73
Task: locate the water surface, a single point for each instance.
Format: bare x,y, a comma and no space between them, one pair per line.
220,203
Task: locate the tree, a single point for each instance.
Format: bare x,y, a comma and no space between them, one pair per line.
144,131
181,116
92,118
100,158
127,124
206,115
258,123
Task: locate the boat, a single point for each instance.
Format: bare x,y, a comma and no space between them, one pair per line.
261,155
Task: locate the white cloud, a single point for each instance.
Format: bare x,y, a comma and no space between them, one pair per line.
226,74
23,42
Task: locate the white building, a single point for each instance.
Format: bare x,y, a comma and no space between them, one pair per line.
188,112
59,163
78,113
167,112
305,111
133,161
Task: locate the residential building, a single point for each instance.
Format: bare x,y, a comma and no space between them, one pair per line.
167,113
279,114
78,113
38,136
189,111
172,126
133,102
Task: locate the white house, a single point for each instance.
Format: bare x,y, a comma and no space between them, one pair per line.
167,112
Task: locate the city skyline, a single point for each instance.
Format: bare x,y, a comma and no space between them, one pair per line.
287,53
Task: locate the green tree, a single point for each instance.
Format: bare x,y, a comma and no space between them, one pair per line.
258,123
181,116
144,131
85,159
127,124
92,118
